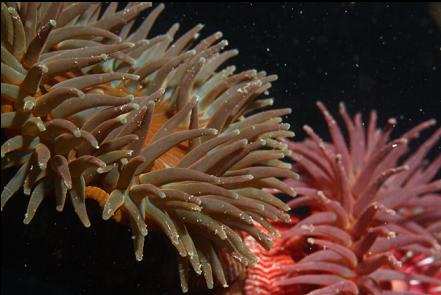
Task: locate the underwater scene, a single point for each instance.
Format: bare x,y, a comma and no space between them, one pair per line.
220,148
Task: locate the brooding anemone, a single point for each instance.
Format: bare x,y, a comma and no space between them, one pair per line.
371,202
147,127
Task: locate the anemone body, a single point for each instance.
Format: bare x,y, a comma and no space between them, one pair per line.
374,208
263,277
148,127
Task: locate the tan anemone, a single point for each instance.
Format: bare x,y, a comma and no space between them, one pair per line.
150,127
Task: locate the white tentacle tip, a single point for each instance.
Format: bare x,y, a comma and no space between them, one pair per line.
77,132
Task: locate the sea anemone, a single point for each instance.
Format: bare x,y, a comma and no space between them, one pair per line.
147,127
373,205
263,277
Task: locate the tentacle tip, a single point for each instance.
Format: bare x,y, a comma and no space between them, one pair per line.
77,132
202,60
161,91
262,141
392,121
213,131
43,68
285,126
67,184
139,257
146,4
307,128
123,120
402,141
26,191
196,99
104,56
101,170
235,132
286,218
293,193
77,92
224,43
2,205
248,177
41,127
28,105
107,214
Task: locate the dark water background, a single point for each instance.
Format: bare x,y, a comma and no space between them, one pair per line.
371,56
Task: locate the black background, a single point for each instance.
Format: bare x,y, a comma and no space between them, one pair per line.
371,56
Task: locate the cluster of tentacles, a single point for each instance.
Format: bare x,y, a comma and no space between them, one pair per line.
148,127
374,207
